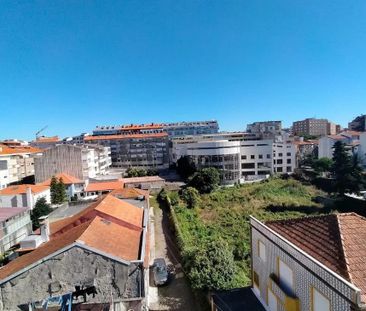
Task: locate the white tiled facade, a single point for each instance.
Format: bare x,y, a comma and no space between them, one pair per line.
308,274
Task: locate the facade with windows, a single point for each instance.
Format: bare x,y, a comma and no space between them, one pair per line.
239,157
310,263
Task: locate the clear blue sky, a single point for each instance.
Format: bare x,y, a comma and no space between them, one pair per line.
72,65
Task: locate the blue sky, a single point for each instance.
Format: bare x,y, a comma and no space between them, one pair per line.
72,65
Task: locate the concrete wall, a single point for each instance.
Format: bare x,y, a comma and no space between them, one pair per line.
60,274
20,200
61,158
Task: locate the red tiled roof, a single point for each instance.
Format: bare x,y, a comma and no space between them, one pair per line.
66,178
20,189
112,137
337,240
45,139
104,186
129,193
109,225
5,150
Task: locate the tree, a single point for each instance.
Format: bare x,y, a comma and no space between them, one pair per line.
54,191
61,191
58,191
41,208
191,196
136,172
322,165
346,170
211,266
186,167
205,180
152,172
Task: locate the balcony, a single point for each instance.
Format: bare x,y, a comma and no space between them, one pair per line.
288,300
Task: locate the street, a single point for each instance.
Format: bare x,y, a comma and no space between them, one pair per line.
177,295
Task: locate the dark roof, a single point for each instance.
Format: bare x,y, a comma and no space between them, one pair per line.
338,241
239,299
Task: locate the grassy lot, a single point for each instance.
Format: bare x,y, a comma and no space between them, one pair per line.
225,214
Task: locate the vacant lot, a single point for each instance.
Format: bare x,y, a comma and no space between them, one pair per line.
225,214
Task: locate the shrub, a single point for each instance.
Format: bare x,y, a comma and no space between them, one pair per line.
191,197
205,180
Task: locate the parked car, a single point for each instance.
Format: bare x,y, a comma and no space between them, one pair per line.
160,272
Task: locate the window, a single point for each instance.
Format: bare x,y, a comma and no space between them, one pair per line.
280,154
318,301
288,161
285,275
252,156
244,157
279,161
247,165
260,156
289,154
261,250
288,169
268,156
279,170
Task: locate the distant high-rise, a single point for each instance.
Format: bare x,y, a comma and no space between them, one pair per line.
358,124
315,127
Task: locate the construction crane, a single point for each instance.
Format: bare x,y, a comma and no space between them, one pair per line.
40,131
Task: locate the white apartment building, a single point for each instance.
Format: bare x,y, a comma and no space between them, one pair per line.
24,195
82,162
236,158
16,163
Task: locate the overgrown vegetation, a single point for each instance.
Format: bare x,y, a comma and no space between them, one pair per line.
214,235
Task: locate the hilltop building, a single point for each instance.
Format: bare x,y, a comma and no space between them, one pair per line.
358,124
314,127
268,129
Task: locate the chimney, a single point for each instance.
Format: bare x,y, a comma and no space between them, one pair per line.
29,196
45,228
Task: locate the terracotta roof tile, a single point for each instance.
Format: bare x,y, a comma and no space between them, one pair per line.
337,240
129,193
20,189
5,150
104,186
109,225
66,178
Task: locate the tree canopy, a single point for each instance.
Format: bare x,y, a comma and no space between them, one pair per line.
191,197
41,208
205,180
346,170
141,172
186,167
58,191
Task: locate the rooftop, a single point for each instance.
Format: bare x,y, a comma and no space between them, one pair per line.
142,179
9,212
109,137
108,217
66,178
20,189
338,241
6,150
104,186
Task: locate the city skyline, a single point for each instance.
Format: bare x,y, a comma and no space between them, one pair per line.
74,66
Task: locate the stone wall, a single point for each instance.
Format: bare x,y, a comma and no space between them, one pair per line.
60,274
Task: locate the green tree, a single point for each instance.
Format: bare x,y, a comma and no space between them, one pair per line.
186,167
136,172
210,266
191,196
41,208
152,172
54,190
205,180
61,191
322,165
346,170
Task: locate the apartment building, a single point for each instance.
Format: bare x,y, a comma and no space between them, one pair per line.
82,162
350,138
311,263
314,127
16,163
358,124
191,128
267,129
15,225
135,146
75,140
238,156
98,259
